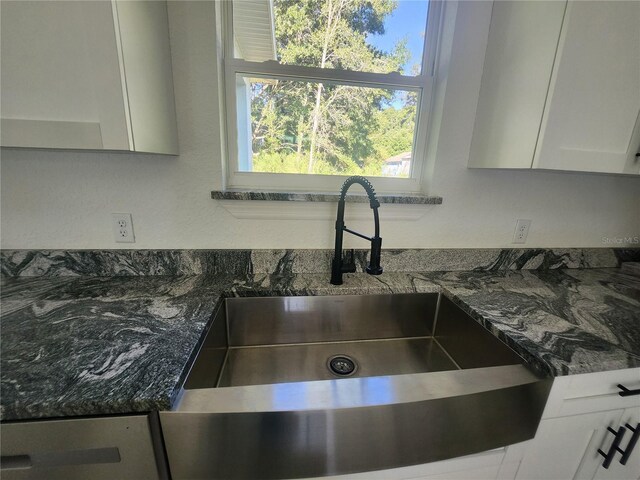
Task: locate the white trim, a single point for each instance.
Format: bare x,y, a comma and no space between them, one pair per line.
231,103
123,76
423,84
273,69
221,10
432,39
316,183
423,113
32,133
272,18
227,34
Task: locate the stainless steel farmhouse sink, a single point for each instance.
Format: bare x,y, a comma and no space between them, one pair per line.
294,387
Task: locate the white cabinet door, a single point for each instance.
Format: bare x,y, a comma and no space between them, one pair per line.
521,48
480,466
594,97
92,75
47,77
566,447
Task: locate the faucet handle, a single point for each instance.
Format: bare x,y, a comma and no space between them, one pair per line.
349,264
374,267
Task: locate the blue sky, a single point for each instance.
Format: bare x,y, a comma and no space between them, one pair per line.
408,21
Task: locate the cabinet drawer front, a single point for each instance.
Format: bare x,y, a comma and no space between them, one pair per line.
92,448
592,392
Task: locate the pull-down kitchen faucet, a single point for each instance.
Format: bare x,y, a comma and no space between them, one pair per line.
339,266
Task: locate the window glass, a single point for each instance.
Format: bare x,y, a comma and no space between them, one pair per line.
290,126
379,36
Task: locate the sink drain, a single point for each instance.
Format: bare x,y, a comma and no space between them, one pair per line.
342,365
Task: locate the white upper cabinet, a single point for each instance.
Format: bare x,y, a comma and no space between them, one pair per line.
561,88
594,96
90,75
522,43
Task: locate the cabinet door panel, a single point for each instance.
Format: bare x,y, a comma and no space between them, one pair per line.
484,473
521,47
565,447
48,94
92,75
633,160
482,465
594,97
146,56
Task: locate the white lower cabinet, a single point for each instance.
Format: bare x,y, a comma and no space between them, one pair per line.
481,466
575,426
567,447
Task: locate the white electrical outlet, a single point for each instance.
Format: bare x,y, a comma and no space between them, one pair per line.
122,228
522,230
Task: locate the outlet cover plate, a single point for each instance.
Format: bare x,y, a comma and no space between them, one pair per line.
522,230
122,226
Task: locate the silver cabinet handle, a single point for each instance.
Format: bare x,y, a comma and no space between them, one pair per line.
15,462
58,459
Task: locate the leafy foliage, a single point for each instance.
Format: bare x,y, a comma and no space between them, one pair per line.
303,127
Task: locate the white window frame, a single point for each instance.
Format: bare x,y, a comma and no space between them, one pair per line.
422,84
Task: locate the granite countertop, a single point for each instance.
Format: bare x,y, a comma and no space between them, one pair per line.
97,345
415,199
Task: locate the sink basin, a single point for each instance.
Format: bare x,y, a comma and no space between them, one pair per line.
290,339
294,387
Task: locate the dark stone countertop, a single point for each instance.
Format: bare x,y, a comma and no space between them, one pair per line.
97,345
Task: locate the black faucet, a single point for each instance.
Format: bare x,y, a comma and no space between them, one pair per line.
339,266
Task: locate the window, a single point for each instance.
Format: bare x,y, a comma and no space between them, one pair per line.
319,89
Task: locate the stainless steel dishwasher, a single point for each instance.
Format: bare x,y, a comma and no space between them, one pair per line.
98,448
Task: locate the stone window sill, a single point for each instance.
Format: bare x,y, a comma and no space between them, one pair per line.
407,199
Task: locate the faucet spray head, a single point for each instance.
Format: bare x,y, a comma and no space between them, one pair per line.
366,184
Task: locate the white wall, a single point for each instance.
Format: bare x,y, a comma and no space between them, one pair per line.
53,199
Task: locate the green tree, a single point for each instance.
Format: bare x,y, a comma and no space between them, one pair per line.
330,128
394,134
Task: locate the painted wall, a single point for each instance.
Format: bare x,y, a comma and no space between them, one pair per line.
64,199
